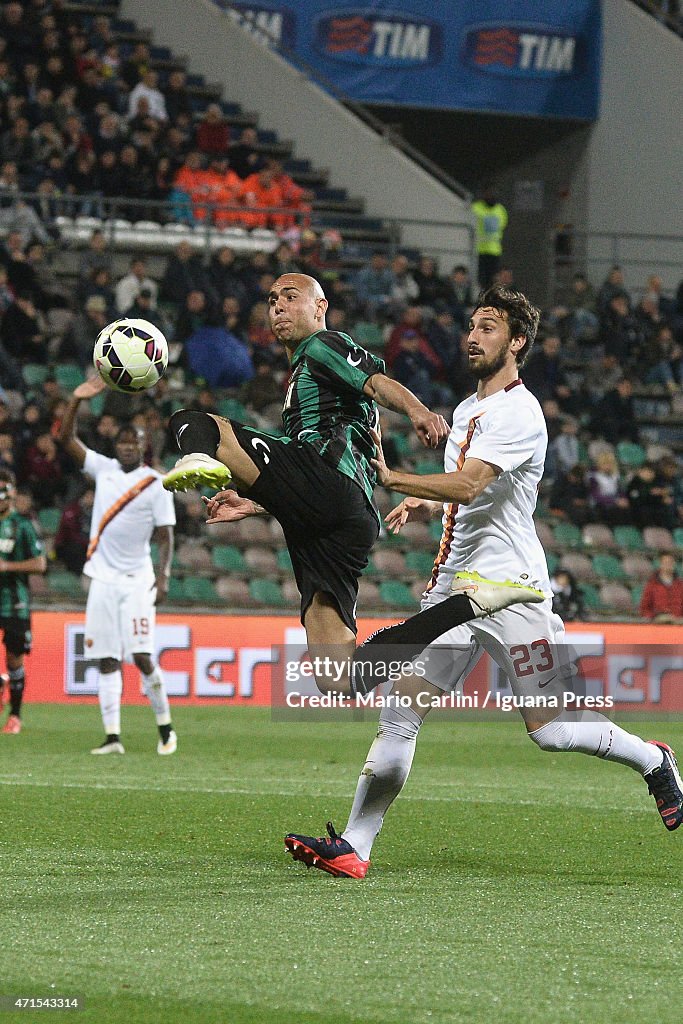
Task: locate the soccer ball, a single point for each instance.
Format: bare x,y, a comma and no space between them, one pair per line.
130,355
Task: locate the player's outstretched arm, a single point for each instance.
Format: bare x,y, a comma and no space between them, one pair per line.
462,487
67,433
229,507
431,428
412,510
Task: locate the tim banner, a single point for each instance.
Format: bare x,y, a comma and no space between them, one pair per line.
534,57
257,660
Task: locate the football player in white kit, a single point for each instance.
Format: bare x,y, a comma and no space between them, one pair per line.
493,465
131,507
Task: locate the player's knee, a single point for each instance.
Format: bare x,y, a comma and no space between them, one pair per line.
558,735
108,665
195,432
144,663
399,722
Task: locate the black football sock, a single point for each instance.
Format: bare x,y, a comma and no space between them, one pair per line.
112,737
165,732
195,432
406,640
17,682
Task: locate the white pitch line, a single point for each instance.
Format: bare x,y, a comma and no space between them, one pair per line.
229,790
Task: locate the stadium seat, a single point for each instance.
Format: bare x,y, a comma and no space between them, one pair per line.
435,529
232,409
591,596
199,590
228,558
49,519
284,561
553,560
578,565
608,567
388,562
658,538
69,376
678,536
421,562
636,567
234,593
417,589
193,556
423,467
369,335
629,537
636,594
567,535
395,594
266,592
597,535
630,455
616,597
417,535
176,591
261,560
290,593
544,534
368,596
65,584
254,530
34,374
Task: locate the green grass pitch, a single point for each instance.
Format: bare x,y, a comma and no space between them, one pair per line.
508,885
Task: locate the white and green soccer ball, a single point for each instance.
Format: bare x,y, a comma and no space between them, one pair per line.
130,355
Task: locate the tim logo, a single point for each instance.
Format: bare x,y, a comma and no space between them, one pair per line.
270,26
362,36
522,51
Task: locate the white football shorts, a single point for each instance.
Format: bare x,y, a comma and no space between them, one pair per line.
527,641
120,620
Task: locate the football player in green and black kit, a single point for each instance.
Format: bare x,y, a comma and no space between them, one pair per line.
21,553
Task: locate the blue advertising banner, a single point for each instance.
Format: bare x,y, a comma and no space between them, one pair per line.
533,57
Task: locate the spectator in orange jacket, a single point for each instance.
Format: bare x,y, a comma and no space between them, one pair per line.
192,180
225,189
260,191
294,197
662,599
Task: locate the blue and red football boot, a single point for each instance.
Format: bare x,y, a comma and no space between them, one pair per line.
329,853
665,785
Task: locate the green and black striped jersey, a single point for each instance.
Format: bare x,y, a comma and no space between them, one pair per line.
18,542
325,404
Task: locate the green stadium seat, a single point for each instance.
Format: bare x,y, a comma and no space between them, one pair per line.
629,537
228,558
590,594
66,584
284,561
637,593
199,590
419,561
49,519
396,594
567,535
678,536
423,467
608,567
97,406
176,590
436,529
402,442
266,592
369,335
631,455
34,374
233,409
553,561
69,376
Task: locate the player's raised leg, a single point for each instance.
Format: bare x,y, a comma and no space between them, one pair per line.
211,455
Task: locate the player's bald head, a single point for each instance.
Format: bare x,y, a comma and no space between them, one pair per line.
304,282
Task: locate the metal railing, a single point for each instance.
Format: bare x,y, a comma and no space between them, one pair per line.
596,252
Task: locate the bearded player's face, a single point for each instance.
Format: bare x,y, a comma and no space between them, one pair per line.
488,343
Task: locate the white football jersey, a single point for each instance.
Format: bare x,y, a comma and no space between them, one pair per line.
495,534
132,505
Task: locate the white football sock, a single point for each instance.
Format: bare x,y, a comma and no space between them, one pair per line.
594,734
385,771
154,688
109,690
